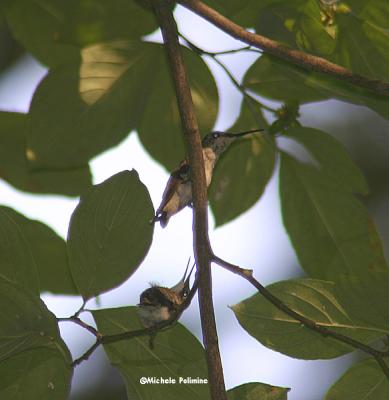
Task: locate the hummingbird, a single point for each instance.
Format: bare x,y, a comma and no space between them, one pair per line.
178,191
159,303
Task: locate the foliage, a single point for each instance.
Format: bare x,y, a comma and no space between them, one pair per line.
105,81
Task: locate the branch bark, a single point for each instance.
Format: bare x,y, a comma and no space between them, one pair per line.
305,60
202,250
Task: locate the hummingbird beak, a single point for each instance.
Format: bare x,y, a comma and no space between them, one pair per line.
236,135
183,285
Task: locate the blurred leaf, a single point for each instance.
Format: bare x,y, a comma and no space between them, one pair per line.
36,374
49,253
119,86
375,11
257,391
328,227
26,323
279,80
14,167
363,381
243,171
17,264
54,30
177,353
313,299
333,158
110,233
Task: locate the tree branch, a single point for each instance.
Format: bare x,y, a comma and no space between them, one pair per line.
202,251
305,60
312,325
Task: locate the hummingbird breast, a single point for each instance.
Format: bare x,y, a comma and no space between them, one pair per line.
209,163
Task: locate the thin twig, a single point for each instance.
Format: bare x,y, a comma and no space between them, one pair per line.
79,322
305,60
201,244
308,323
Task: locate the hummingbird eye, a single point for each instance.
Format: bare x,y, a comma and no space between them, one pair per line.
215,135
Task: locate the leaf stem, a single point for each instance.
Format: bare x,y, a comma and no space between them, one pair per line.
306,322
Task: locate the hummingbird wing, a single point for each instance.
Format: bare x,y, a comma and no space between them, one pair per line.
177,177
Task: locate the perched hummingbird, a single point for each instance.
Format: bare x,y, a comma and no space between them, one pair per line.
178,190
159,303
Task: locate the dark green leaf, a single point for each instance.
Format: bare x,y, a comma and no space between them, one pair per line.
14,166
49,253
313,299
110,233
35,374
119,86
278,80
256,391
363,381
26,323
329,228
54,30
176,354
243,171
333,158
17,264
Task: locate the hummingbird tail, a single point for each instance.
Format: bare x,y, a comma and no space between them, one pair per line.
161,217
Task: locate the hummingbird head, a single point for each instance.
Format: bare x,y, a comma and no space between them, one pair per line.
182,287
219,141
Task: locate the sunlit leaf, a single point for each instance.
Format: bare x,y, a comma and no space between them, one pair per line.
255,390
243,172
17,264
35,374
49,253
176,354
333,159
365,380
26,323
329,228
55,30
119,86
314,299
15,169
110,233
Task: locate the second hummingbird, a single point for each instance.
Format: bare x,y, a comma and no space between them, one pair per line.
178,190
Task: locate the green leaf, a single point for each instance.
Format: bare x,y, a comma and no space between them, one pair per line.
110,233
333,158
15,169
176,354
26,323
55,30
313,299
329,228
278,80
256,391
17,264
363,381
48,251
243,171
118,87
35,374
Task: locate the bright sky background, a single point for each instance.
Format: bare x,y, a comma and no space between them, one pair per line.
255,240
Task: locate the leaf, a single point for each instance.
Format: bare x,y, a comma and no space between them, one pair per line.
363,381
243,171
329,228
17,264
49,253
110,233
26,323
35,374
314,299
255,390
176,354
55,30
118,87
333,158
15,170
